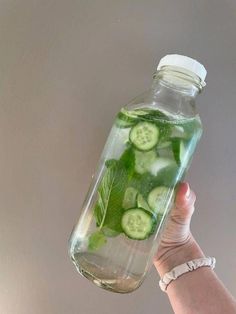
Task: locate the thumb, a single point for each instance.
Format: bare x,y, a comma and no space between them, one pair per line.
184,203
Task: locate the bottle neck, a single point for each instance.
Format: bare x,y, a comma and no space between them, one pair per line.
175,90
176,82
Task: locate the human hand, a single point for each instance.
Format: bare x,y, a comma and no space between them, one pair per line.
177,243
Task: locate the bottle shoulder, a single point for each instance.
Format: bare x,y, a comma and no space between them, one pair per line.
183,107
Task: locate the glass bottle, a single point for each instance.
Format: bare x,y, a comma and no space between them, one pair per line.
147,153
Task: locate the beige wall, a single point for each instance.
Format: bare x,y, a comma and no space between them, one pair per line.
66,67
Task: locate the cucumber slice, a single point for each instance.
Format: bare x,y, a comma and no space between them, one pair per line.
157,198
130,197
124,121
137,223
179,151
160,164
144,135
143,204
143,160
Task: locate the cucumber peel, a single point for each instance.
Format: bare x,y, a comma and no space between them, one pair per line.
179,151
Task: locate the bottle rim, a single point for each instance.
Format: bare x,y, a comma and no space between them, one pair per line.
180,74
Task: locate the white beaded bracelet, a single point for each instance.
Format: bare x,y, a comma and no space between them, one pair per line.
185,268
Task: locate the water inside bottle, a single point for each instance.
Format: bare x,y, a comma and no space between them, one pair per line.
147,153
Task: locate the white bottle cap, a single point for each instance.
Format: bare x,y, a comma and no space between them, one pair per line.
185,63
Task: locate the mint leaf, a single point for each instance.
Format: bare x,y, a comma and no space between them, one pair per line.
96,241
127,159
97,214
144,183
153,114
176,149
110,162
108,209
165,131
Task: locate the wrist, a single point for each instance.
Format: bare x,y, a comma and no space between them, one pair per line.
178,255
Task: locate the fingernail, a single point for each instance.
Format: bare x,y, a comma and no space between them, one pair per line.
187,194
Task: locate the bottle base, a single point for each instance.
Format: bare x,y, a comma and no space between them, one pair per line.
118,283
